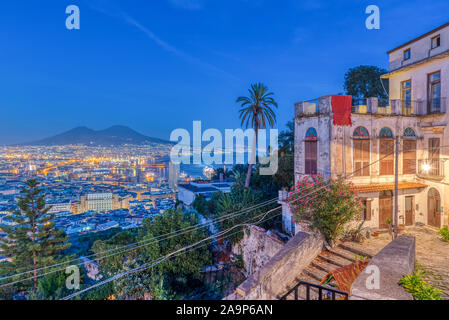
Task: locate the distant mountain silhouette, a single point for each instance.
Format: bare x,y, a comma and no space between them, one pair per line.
113,136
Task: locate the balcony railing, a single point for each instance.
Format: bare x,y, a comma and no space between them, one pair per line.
431,168
360,105
418,107
310,108
322,106
320,292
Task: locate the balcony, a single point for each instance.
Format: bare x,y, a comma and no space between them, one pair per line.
313,107
360,105
431,169
418,108
323,106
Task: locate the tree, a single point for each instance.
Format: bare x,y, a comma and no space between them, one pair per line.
53,287
285,176
171,222
237,200
213,202
327,205
34,242
157,238
256,110
200,205
365,82
287,138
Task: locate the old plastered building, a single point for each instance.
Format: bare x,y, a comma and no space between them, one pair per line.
363,152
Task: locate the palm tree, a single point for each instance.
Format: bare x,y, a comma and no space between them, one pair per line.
257,111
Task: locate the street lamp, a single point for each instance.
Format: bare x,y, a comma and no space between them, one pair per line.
426,167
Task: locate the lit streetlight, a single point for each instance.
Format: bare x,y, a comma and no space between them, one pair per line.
426,167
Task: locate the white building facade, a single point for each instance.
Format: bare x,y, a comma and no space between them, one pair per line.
416,114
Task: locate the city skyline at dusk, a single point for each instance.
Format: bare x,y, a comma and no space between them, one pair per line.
224,156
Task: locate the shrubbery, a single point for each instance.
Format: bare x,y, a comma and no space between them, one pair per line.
326,204
444,232
419,288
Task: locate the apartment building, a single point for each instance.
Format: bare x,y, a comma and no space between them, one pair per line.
98,202
415,114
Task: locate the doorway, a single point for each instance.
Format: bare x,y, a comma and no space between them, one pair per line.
409,211
385,208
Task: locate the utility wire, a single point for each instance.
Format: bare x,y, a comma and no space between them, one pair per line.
166,257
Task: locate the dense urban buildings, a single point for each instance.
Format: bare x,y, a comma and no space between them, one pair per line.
91,189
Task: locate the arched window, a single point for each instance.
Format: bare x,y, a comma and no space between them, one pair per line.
361,133
386,133
311,134
361,152
409,154
311,152
409,133
386,152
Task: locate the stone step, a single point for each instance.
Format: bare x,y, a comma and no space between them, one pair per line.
342,253
352,249
316,274
334,259
324,265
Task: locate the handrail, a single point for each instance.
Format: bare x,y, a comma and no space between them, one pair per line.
320,288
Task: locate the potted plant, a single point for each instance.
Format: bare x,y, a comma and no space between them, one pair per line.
357,233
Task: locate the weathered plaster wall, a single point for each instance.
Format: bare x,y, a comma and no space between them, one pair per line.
338,142
281,272
257,248
420,50
322,124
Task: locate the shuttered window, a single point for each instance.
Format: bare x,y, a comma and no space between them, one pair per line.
311,152
434,149
409,157
311,157
386,154
361,158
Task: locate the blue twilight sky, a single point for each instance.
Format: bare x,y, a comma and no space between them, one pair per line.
157,65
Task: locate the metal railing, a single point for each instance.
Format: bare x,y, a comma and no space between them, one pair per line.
360,105
387,107
431,168
418,107
324,293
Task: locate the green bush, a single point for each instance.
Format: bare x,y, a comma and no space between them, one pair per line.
327,204
419,288
445,233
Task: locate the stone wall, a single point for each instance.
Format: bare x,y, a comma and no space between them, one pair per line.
281,272
392,263
257,248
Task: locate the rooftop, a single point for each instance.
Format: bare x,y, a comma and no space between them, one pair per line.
420,37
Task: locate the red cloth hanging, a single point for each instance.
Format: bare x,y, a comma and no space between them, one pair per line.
341,108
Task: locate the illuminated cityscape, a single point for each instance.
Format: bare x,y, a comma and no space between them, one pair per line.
90,189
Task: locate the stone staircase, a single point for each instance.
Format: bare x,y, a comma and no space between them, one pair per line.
327,261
